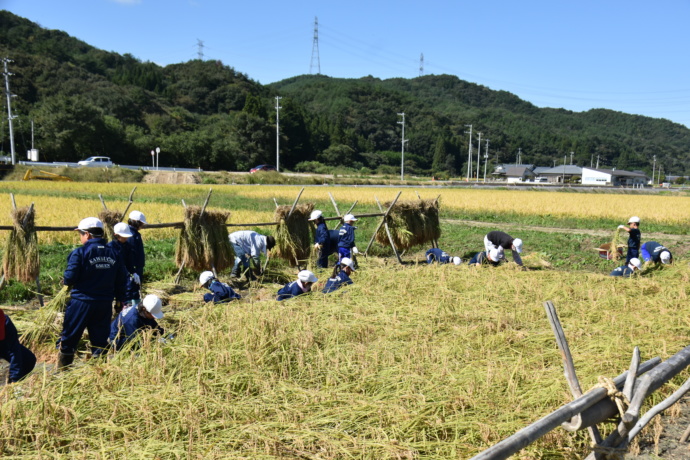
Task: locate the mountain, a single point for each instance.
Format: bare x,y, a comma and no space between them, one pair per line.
85,101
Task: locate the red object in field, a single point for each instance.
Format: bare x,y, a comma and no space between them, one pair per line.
605,251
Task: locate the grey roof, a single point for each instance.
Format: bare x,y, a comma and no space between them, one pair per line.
570,170
519,171
539,169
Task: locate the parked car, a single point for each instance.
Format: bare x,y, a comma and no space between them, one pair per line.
262,168
96,161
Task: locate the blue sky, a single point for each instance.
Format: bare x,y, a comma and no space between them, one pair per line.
630,56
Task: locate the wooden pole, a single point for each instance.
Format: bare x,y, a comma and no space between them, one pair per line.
337,211
295,203
14,203
383,220
568,364
536,430
105,208
203,208
388,232
131,194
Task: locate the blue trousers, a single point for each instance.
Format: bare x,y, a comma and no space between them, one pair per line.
240,257
343,252
93,316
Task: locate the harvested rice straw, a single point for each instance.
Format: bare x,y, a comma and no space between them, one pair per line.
293,234
411,223
203,242
109,219
44,329
21,260
615,243
164,290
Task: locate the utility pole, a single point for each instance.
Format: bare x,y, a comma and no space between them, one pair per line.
315,49
479,149
597,162
653,169
571,157
402,147
565,157
10,117
278,107
469,155
519,157
486,157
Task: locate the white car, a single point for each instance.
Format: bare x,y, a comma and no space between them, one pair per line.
96,161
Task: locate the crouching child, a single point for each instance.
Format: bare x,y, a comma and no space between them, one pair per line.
220,292
132,320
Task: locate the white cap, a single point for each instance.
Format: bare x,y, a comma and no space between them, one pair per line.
346,261
495,255
348,218
665,257
89,223
634,219
457,260
517,242
122,229
205,276
153,305
138,215
315,215
635,262
306,276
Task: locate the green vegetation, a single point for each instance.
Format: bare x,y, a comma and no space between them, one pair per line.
86,101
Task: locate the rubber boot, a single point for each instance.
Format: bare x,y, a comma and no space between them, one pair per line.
235,273
64,360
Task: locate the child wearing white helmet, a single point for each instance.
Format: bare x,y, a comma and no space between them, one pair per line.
220,292
346,238
134,319
303,284
493,257
441,257
634,237
322,240
497,239
136,221
656,253
340,277
627,270
122,233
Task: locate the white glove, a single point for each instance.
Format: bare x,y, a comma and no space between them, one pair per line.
136,278
621,227
317,246
355,250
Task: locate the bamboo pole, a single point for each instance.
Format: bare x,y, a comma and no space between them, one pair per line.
131,194
294,204
100,197
203,208
337,211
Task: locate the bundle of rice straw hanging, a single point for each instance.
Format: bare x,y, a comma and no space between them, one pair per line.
45,327
20,260
109,219
203,241
411,223
293,235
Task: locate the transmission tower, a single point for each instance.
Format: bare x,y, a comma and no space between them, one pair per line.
421,64
200,45
315,49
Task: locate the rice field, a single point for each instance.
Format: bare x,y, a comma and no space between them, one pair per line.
410,362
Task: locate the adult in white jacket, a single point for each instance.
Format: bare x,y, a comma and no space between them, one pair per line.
248,244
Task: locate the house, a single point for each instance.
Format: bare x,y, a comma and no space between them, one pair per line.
567,173
501,171
521,173
613,177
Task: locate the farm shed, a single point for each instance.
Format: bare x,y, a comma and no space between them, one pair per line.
614,177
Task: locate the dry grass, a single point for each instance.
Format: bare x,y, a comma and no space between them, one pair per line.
203,242
293,234
411,223
20,256
418,362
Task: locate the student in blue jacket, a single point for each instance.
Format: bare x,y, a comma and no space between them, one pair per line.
97,274
627,270
340,277
442,257
494,257
656,253
136,221
346,238
634,238
220,292
322,240
21,359
133,286
134,319
305,279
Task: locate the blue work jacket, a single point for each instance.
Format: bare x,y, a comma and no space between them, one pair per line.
139,257
126,326
220,293
623,270
126,252
436,255
340,280
346,236
289,291
96,272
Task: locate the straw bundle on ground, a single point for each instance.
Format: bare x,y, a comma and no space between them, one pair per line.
109,219
293,235
411,223
20,260
44,327
203,241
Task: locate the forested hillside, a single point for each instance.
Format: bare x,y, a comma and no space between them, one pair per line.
85,101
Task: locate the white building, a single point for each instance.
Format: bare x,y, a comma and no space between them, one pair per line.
613,177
